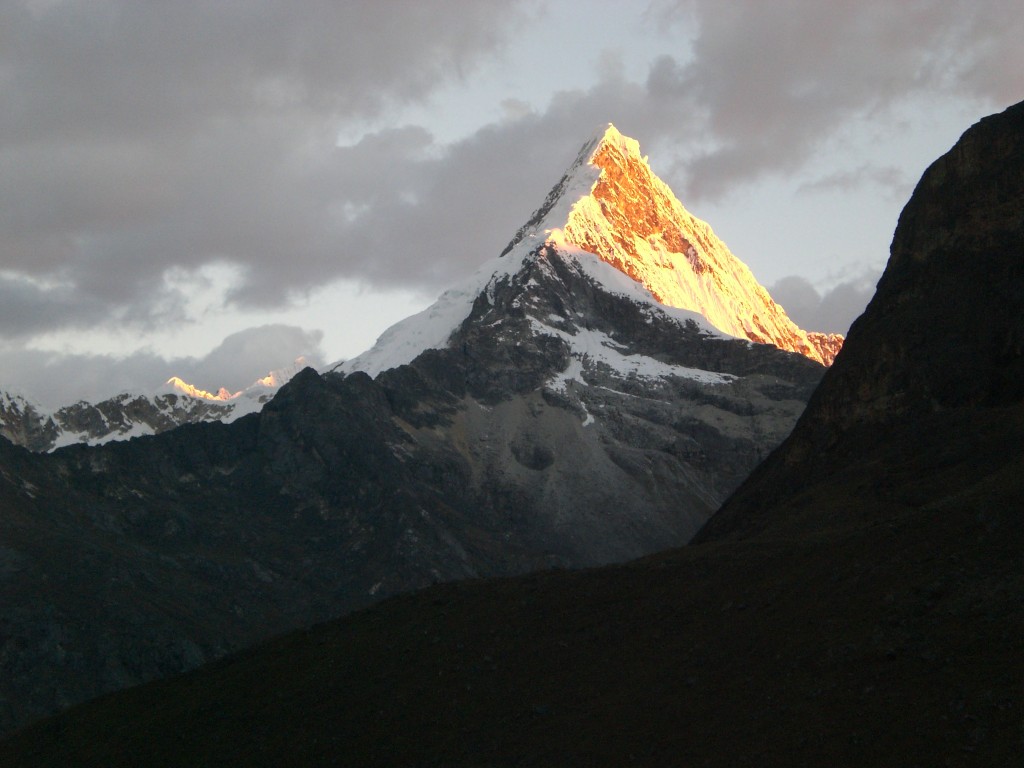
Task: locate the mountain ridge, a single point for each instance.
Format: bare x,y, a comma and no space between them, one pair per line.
131,414
947,250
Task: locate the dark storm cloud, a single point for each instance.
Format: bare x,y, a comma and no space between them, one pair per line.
27,307
241,359
139,136
831,312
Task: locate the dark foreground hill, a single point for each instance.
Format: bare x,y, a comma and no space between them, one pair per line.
859,600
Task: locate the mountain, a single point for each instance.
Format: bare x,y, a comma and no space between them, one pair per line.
550,413
131,414
858,601
609,204
631,220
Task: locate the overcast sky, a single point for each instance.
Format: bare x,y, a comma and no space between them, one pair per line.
210,189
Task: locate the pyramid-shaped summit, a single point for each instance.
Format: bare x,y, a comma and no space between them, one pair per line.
609,210
612,205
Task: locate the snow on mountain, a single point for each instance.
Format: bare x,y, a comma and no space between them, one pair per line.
631,220
626,229
596,347
132,414
431,328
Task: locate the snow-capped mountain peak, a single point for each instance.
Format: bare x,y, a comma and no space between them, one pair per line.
630,219
258,390
182,387
610,207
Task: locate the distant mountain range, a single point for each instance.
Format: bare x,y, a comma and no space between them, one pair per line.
131,414
857,601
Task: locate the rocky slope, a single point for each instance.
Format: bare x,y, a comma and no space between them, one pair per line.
549,413
859,601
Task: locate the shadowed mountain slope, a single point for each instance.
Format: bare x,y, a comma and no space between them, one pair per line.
859,600
941,343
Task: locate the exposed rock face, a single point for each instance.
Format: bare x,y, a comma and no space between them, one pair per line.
943,333
827,345
23,423
635,412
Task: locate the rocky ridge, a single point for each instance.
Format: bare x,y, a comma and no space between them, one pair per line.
131,414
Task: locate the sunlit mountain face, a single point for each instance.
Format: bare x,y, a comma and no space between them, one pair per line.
630,219
191,390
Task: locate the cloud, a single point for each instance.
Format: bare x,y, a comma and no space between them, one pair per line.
45,376
773,81
889,178
415,213
28,306
758,90
137,137
245,356
831,312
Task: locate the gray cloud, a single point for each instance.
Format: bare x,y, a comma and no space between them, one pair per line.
243,357
28,307
773,81
831,312
889,178
139,137
239,360
422,214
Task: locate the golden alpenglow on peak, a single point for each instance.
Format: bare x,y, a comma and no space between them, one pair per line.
182,386
632,220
